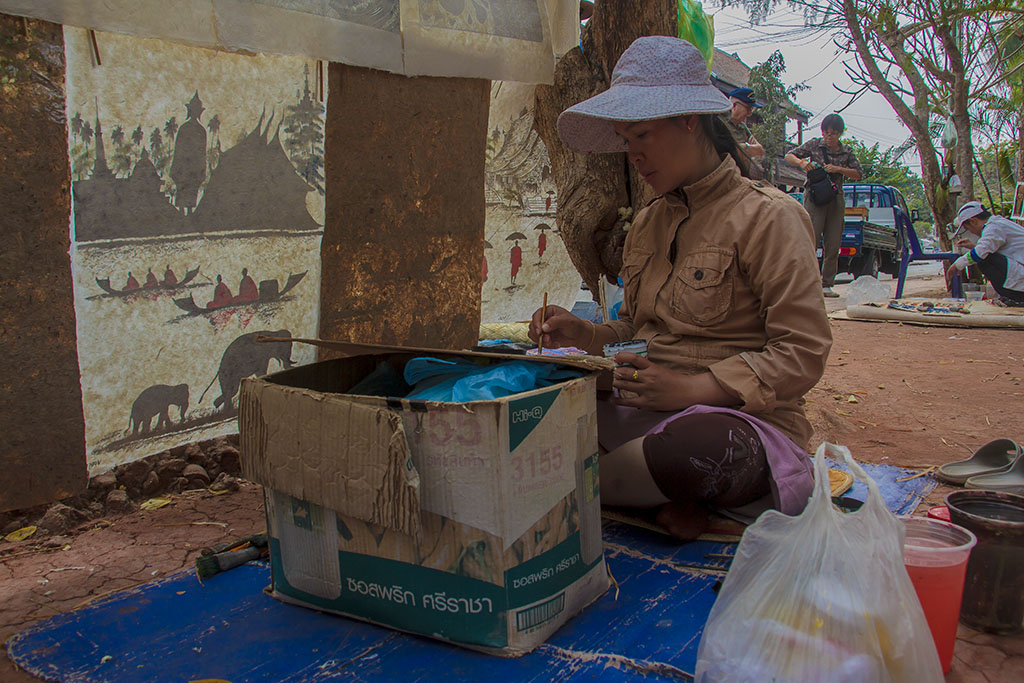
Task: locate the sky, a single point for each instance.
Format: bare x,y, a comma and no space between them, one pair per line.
811,58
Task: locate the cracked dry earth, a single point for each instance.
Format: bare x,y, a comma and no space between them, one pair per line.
923,396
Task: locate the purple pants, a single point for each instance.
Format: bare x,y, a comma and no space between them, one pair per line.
713,458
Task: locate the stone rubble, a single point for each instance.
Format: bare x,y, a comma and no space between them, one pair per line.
191,466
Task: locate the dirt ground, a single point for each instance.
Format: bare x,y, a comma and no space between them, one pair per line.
922,396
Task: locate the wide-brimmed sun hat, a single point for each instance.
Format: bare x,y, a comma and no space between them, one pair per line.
657,77
968,210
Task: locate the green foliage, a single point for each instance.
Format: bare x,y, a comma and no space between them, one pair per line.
698,28
997,175
886,168
766,82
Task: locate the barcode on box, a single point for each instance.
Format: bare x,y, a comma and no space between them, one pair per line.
538,614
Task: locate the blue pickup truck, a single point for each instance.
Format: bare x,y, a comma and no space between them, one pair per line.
871,242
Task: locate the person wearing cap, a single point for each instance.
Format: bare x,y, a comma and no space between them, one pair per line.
743,105
828,219
998,252
721,282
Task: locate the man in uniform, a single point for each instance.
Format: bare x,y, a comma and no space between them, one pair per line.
743,105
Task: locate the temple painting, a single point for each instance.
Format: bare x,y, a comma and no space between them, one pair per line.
197,214
524,256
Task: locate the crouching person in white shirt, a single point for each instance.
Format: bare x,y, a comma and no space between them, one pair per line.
998,253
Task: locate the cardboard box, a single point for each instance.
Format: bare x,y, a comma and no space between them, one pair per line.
476,523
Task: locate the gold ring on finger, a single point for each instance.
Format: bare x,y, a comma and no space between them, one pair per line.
636,375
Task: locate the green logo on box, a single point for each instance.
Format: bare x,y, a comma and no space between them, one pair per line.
409,597
525,414
547,574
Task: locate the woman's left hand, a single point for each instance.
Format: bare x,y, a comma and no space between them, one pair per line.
650,386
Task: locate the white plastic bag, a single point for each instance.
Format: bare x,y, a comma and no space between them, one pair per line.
867,289
823,596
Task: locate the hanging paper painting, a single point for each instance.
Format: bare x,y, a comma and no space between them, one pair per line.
524,256
197,213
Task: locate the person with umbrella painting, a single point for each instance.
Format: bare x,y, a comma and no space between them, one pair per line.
517,253
721,282
542,240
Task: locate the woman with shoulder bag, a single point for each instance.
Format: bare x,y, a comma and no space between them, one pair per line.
828,163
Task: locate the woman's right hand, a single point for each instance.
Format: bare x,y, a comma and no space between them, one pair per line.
560,328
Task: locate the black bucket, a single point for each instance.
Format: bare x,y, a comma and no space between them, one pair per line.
994,587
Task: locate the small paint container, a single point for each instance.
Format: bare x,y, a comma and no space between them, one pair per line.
637,346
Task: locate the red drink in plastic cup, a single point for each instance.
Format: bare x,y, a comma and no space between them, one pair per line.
935,554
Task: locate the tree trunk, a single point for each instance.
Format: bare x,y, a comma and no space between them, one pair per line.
593,187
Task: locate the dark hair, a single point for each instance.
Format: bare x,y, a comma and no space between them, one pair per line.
833,122
723,142
984,215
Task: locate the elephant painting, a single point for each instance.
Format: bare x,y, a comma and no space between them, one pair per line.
246,357
157,401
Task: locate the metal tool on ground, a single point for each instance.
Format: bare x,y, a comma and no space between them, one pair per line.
225,556
256,539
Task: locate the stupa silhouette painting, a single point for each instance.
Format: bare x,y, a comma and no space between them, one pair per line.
254,187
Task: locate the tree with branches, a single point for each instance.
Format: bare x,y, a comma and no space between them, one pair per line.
766,82
1002,107
926,58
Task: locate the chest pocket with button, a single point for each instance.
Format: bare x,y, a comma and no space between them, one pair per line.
633,263
703,288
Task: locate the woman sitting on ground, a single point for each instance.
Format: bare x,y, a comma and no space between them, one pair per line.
721,281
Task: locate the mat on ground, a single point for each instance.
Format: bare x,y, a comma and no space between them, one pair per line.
178,629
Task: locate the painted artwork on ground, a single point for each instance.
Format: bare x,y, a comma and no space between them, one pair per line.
524,256
197,213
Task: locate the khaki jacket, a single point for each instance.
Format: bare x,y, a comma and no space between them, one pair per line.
741,297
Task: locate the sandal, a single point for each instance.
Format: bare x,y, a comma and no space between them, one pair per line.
1009,481
993,458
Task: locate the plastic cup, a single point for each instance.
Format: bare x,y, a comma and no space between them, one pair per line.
935,554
